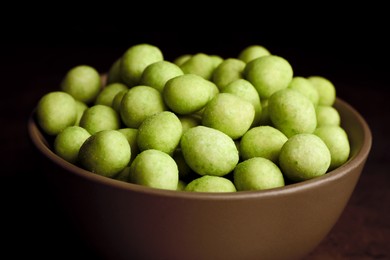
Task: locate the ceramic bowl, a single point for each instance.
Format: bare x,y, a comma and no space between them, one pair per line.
126,221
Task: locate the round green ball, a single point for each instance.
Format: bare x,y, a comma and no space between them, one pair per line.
305,87
80,108
262,141
161,131
139,103
199,64
157,74
155,169
252,52
68,142
230,114
135,60
257,174
56,111
209,151
291,112
303,157
336,139
83,82
107,95
228,71
131,136
100,117
325,88
211,184
327,115
268,74
105,153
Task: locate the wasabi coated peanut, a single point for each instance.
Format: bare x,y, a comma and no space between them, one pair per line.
188,93
227,71
105,153
252,52
189,121
114,73
155,169
230,114
257,174
138,103
55,111
303,157
244,89
161,131
83,83
106,96
68,142
262,141
100,117
336,140
199,64
305,87
211,184
327,115
291,112
180,60
135,60
326,90
208,151
157,74
268,74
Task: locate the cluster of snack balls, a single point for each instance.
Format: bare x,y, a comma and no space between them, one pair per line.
199,123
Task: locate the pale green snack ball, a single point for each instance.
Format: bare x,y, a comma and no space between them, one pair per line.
108,93
131,136
244,89
327,115
268,74
135,60
227,71
139,103
56,111
83,82
209,151
252,52
114,73
291,112
303,157
305,87
68,142
157,74
230,114
182,59
161,131
216,60
117,100
257,174
155,169
199,64
187,93
336,140
100,117
211,184
189,121
262,141
325,88
105,153
80,108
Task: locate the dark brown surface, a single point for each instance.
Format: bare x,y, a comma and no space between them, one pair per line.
32,223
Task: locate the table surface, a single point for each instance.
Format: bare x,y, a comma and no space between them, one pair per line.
33,224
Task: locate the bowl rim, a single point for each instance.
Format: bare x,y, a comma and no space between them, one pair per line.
353,162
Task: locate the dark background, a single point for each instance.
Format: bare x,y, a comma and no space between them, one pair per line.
35,58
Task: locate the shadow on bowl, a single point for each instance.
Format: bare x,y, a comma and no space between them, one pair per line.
127,221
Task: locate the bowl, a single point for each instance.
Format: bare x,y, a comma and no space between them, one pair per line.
127,221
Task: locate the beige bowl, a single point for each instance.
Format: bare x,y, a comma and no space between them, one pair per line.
127,221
